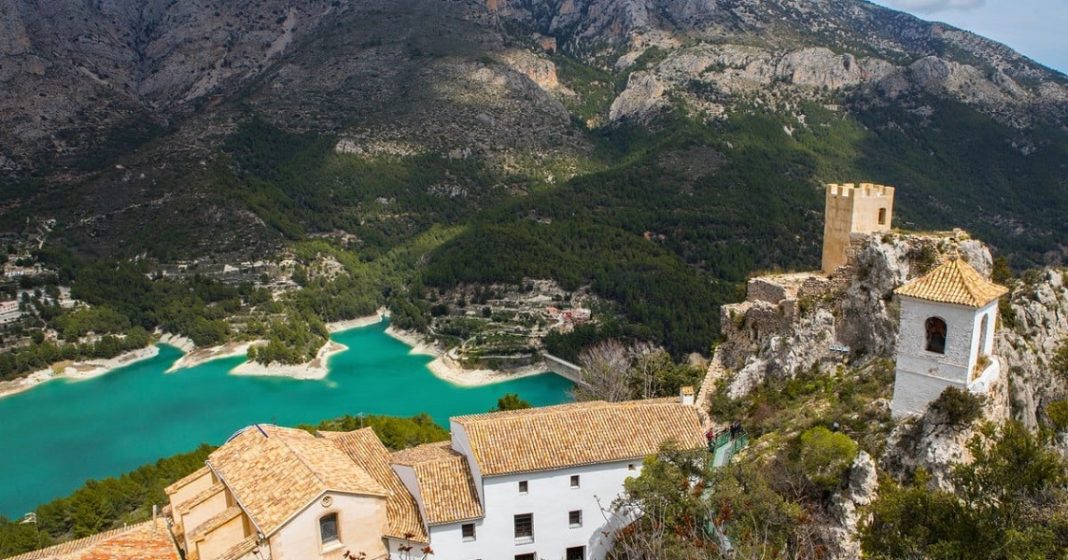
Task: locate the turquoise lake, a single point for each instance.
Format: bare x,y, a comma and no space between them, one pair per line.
57,435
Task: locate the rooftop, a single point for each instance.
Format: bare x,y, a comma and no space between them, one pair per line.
275,472
956,282
142,541
445,483
367,451
539,439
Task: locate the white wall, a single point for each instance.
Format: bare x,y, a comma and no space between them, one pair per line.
922,375
462,445
550,498
361,524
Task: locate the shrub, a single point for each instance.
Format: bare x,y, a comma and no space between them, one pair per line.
1059,363
1058,415
957,408
826,457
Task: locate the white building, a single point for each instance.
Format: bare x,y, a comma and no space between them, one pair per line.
534,484
946,336
9,311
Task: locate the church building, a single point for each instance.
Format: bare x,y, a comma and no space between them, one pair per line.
946,336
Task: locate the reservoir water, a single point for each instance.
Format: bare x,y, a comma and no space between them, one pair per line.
57,435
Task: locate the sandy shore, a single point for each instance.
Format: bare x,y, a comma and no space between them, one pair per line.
86,369
416,340
201,355
195,356
448,369
378,317
183,343
315,369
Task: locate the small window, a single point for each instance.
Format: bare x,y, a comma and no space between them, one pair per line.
882,216
576,553
524,527
523,487
468,531
328,528
574,481
527,556
574,518
936,335
631,467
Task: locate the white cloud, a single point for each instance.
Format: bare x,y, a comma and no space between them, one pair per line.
932,6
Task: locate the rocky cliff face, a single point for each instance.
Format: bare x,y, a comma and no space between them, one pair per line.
780,47
790,323
1032,330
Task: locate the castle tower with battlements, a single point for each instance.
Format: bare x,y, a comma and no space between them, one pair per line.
863,208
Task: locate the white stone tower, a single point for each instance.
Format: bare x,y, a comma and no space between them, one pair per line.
946,336
853,209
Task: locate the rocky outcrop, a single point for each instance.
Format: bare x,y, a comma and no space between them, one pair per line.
847,505
793,322
1033,327
855,46
729,71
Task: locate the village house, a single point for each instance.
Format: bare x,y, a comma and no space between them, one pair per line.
529,484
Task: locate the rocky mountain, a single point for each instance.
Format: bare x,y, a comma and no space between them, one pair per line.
238,125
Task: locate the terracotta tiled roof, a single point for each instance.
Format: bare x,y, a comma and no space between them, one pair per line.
144,541
955,281
367,451
445,482
240,549
275,472
537,439
186,506
212,523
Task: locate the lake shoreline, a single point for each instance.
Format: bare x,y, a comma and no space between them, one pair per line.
312,369
77,371
442,366
446,368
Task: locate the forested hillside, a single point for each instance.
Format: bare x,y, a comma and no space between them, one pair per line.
657,153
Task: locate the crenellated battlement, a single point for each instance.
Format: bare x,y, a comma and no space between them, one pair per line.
863,190
853,208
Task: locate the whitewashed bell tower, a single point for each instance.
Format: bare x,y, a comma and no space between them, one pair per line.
946,336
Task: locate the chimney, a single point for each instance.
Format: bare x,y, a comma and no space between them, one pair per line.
686,395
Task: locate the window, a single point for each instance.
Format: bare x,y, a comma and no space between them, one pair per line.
882,216
574,481
527,556
468,531
524,527
328,528
523,487
936,335
631,467
576,553
574,518
983,326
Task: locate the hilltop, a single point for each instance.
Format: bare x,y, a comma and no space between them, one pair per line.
655,153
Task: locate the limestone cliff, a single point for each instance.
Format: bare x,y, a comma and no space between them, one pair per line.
793,322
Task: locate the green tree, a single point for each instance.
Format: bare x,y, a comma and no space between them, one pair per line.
511,401
675,517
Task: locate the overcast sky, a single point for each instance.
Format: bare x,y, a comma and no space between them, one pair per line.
1036,28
